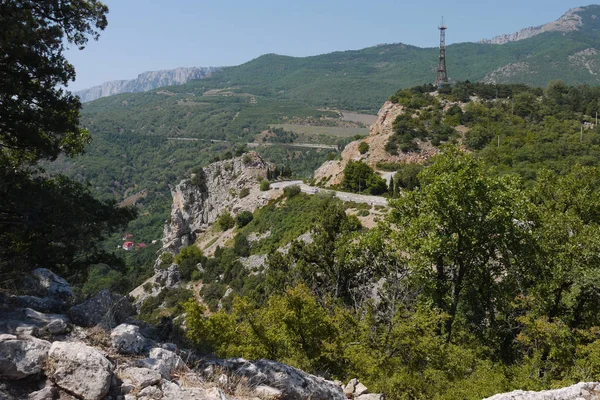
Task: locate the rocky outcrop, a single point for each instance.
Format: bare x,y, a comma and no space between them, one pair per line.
146,81
332,172
106,308
200,200
580,391
569,22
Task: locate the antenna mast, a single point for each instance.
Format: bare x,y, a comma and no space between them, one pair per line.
442,74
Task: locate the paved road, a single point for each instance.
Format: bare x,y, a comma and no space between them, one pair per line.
344,196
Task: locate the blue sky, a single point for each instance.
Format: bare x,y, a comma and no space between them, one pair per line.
148,35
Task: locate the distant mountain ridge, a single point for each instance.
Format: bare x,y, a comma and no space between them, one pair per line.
146,81
571,21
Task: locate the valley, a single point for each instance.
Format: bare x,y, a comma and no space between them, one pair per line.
332,226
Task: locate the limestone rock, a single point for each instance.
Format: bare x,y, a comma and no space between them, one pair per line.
20,358
51,285
47,393
569,22
172,391
350,387
150,393
140,378
360,389
105,308
580,391
169,277
127,339
293,383
146,81
54,324
80,369
162,361
268,392
200,200
370,396
42,304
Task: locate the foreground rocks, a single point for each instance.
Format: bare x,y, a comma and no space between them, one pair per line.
23,357
580,391
292,382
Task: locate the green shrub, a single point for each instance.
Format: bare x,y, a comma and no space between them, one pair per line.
166,259
241,246
244,192
363,147
265,185
291,191
188,260
243,218
363,213
407,176
226,221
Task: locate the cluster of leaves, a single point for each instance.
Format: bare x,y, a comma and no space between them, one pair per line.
225,221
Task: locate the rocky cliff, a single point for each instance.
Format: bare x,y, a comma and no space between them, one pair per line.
230,185
332,172
569,22
146,81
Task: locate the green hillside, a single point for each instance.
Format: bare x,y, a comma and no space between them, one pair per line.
238,103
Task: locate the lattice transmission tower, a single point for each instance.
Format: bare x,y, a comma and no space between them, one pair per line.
442,74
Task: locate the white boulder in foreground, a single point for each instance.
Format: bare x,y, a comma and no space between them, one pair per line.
80,369
580,391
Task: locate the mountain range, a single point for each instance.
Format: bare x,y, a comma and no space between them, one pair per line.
567,49
146,81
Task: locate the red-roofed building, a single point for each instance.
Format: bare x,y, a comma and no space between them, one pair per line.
141,245
128,245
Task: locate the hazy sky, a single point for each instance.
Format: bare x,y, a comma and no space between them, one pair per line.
148,35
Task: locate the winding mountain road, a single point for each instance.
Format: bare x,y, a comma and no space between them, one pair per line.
344,196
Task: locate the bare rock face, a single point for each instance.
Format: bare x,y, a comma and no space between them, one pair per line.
332,172
580,391
80,369
146,81
200,200
569,22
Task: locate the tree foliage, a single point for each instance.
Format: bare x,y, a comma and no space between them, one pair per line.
360,178
46,221
38,118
